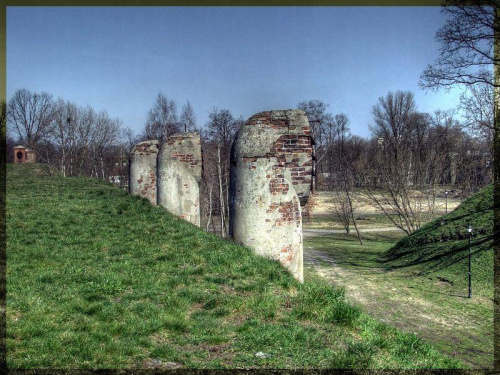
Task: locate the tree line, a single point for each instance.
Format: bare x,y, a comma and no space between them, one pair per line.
408,150
410,158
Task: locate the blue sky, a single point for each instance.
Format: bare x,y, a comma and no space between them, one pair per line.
245,59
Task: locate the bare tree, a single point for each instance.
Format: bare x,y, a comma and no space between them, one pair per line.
10,143
478,108
86,118
4,137
187,118
316,113
63,133
105,134
221,129
469,56
395,117
162,119
468,41
346,174
320,122
209,181
129,139
29,116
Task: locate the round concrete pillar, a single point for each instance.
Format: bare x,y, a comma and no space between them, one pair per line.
142,176
271,177
179,176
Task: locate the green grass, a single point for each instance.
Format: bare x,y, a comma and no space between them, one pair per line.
439,250
100,279
424,303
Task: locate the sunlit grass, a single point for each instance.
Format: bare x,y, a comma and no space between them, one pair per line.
101,279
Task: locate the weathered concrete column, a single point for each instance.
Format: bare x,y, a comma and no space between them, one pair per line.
179,176
142,176
271,177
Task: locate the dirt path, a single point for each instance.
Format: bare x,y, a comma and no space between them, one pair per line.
391,299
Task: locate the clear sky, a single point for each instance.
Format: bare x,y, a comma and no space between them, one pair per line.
245,59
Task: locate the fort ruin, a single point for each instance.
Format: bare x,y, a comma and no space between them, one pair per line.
142,175
179,176
271,179
271,169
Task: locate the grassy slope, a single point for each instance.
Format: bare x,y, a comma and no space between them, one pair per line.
440,248
98,278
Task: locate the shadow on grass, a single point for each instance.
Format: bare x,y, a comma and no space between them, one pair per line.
367,259
436,257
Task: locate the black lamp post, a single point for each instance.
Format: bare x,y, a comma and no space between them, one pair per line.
469,229
446,200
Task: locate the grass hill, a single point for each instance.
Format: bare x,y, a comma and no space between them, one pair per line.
97,278
32,170
440,248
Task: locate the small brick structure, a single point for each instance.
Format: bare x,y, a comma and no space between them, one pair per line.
24,155
271,179
179,176
142,174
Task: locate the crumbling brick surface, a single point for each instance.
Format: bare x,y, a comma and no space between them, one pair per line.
293,150
271,177
185,148
142,179
180,172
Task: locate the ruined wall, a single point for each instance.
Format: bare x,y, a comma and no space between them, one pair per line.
142,177
179,176
271,177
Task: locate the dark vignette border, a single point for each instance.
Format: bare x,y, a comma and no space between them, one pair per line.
3,123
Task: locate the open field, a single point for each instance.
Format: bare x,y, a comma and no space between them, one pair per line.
419,283
100,279
366,214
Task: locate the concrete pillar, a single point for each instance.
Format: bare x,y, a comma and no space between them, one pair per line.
142,177
179,176
271,178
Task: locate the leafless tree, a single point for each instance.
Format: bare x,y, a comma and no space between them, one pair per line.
10,143
468,41
478,108
86,118
345,162
29,116
187,118
162,120
4,136
221,129
105,134
395,116
321,124
129,139
78,141
63,134
208,195
316,113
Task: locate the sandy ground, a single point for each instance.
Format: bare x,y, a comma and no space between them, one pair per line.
322,203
